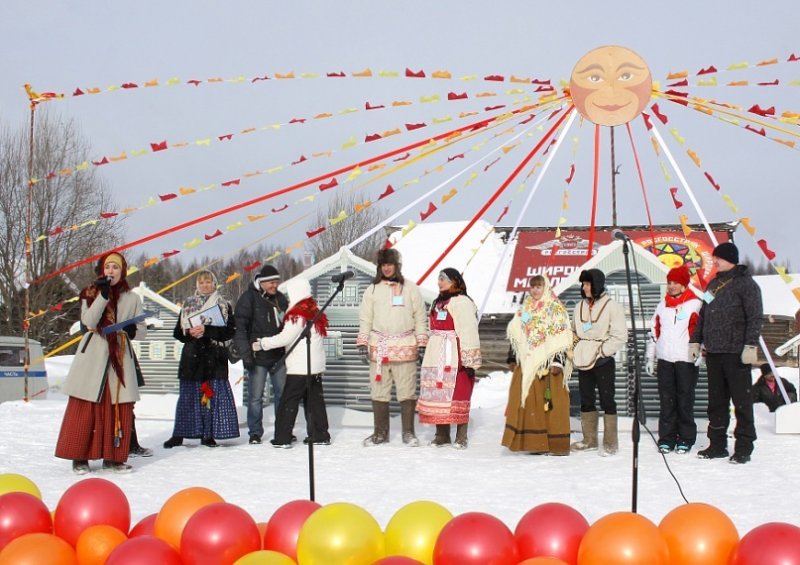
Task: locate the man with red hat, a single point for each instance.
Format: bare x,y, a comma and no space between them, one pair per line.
670,329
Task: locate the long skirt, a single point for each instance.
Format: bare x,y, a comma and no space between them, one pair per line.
532,428
87,430
217,420
447,401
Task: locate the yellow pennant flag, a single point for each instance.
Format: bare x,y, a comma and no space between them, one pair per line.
693,156
410,226
340,218
729,201
349,143
685,225
151,261
234,226
273,256
192,244
354,174
232,278
665,171
256,217
748,226
678,137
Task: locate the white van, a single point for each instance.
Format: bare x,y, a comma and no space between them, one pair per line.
12,372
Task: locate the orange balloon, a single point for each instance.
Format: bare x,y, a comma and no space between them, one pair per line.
699,534
178,509
623,538
97,542
38,549
543,561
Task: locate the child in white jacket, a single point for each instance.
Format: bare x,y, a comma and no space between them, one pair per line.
302,310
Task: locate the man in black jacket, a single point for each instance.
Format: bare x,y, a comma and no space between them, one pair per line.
259,313
728,328
766,389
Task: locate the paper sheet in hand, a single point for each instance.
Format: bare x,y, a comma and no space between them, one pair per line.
119,325
209,317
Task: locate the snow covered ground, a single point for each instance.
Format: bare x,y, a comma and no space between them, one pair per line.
486,477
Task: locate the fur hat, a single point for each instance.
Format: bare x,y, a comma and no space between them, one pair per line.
598,280
391,256
727,251
679,275
298,290
267,273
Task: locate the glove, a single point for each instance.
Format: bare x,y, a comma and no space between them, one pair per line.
650,366
694,351
749,355
257,345
103,284
249,362
420,353
130,329
364,351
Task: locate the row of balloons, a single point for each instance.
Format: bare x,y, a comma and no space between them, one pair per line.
92,525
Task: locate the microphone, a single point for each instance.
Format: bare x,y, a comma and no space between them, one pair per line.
619,234
341,277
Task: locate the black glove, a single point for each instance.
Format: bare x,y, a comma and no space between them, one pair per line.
364,351
249,362
470,372
130,329
103,284
420,354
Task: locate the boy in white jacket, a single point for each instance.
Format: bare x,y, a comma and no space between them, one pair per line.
670,330
302,309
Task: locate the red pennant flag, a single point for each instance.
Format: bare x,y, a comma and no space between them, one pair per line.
412,74
528,119
107,215
454,157
127,85
454,96
160,146
56,231
226,137
431,209
568,180
281,209
389,190
213,235
678,97
760,131
402,157
647,123
256,79
373,137
300,160
544,89
495,78
339,74
57,307
762,243
684,82
486,168
297,121
775,82
165,197
490,108
707,70
170,253
252,266
371,107
78,92
793,58
756,109
103,161
194,82
234,182
412,127
330,184
673,191
662,117
712,181
502,215
317,231
539,81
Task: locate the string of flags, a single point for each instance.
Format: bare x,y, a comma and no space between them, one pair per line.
711,72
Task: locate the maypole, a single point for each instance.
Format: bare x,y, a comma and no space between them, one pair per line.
28,251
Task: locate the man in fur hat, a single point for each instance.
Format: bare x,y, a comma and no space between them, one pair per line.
728,329
259,313
392,331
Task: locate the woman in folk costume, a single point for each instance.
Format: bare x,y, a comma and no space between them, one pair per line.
302,309
453,354
206,409
537,415
101,382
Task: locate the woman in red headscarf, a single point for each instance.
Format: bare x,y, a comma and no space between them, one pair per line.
101,382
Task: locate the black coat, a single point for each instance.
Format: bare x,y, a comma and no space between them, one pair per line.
762,393
205,358
259,315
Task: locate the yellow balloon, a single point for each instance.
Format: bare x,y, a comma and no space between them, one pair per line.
265,557
413,530
12,482
340,534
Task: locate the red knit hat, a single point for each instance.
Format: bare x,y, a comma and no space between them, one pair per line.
679,275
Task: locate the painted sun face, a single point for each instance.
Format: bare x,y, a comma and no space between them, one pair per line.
610,85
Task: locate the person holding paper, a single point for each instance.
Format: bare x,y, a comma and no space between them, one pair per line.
206,409
101,383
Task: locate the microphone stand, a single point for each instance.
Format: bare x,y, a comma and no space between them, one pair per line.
306,334
635,432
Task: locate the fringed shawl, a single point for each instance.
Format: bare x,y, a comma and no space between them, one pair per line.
200,302
540,334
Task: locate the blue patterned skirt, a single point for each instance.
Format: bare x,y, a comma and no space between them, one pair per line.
217,420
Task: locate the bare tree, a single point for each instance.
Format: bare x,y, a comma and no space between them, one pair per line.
343,233
62,207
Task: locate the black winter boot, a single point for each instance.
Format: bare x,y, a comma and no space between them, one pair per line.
407,415
442,436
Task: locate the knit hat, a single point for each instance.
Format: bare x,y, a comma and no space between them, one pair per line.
765,369
679,275
267,273
727,251
112,257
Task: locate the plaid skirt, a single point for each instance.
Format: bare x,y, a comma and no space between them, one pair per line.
218,419
87,430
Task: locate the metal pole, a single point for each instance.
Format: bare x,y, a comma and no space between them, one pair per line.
613,182
28,262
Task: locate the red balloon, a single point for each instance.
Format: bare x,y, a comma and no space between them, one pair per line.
475,538
553,530
285,524
22,513
144,550
397,560
144,527
774,543
88,503
219,533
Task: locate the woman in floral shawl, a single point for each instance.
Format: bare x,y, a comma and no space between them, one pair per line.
537,415
206,409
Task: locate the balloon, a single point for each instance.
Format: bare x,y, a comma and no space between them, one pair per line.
623,538
774,543
475,538
339,533
219,533
265,557
551,529
38,549
177,510
145,527
144,550
285,524
12,482
397,560
413,530
698,534
87,503
543,561
22,513
96,543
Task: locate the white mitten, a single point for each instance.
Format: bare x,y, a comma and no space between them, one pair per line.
694,351
749,355
257,345
650,366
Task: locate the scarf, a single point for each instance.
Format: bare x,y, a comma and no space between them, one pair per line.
305,310
540,333
116,340
199,302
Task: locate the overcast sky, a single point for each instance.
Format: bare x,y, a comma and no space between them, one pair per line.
60,46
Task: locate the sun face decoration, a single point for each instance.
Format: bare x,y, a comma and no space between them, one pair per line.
610,85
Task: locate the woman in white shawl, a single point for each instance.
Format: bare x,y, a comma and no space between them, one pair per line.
537,415
206,409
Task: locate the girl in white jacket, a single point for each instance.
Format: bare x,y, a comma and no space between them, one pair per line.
302,309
